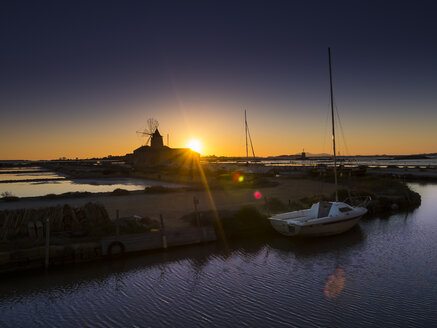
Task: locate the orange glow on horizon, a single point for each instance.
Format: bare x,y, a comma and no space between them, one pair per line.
73,137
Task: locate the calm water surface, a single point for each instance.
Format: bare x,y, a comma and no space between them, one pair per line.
382,274
47,185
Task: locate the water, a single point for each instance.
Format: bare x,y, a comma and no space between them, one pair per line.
34,181
371,162
385,270
27,174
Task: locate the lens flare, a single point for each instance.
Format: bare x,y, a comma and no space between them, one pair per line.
257,195
335,284
238,177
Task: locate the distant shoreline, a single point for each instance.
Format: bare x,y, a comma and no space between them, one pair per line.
33,180
311,156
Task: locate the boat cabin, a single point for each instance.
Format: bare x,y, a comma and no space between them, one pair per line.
324,209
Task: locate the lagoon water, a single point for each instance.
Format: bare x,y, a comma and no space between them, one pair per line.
381,274
34,181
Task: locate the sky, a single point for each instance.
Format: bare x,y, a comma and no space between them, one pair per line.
79,78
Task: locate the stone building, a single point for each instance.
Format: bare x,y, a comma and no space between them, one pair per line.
157,155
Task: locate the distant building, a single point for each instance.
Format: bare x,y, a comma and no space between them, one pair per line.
159,155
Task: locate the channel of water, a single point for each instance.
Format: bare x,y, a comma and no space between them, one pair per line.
382,273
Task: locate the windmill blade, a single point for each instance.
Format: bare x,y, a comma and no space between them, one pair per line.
152,125
144,133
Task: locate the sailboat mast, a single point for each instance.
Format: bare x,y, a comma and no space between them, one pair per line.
333,126
245,130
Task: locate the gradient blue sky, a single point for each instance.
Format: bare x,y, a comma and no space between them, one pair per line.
79,78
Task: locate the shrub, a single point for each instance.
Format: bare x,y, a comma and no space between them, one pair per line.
157,190
72,194
246,221
120,192
275,205
9,197
49,196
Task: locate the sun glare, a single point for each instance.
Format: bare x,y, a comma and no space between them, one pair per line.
195,145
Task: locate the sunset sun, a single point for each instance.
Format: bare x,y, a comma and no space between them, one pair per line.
195,145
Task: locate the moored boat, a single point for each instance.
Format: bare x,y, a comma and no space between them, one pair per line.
323,218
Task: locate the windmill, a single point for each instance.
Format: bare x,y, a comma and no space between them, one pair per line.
152,126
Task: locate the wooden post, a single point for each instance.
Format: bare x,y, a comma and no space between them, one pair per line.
47,249
196,202
163,236
117,223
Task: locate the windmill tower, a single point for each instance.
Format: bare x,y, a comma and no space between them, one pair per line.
156,140
152,134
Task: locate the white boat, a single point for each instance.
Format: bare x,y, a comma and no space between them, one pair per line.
323,218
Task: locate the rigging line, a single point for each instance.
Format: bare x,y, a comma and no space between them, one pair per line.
246,129
326,132
325,136
251,145
340,126
348,153
341,130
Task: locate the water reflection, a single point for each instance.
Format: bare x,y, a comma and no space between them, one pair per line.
313,247
194,258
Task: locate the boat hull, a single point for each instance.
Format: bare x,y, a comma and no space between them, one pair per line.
318,229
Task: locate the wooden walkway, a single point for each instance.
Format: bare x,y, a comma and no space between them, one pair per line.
116,245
